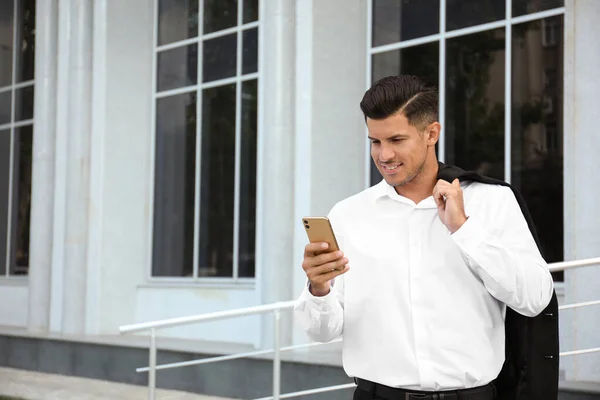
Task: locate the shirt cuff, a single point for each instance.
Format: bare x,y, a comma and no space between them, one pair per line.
324,303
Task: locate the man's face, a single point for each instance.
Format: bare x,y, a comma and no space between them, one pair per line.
398,149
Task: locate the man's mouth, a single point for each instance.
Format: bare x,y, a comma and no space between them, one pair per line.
391,168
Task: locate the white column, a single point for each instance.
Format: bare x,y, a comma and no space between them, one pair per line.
581,190
276,161
78,167
42,177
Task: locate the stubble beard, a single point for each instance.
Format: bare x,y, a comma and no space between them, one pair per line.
412,174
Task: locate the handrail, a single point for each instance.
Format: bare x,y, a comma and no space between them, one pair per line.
564,265
240,312
276,308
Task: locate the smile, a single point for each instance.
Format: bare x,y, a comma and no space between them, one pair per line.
391,168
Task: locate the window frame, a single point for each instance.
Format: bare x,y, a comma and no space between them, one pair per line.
507,23
11,126
235,281
441,37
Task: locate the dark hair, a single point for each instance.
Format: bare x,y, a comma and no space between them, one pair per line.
410,94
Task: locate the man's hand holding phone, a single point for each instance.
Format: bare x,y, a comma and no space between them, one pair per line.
321,266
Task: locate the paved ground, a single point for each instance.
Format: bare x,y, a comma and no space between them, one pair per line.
30,385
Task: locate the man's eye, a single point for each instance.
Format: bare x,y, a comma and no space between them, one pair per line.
398,139
374,141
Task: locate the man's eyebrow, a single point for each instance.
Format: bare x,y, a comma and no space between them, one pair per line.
396,136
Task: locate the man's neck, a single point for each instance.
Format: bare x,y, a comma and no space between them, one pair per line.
422,186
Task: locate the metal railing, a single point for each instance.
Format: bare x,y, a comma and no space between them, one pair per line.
276,309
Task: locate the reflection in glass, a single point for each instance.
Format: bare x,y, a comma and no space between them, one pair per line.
422,61
21,202
475,102
6,43
219,59
465,13
174,185
522,7
4,189
177,20
219,15
398,20
248,179
24,103
177,67
5,109
250,51
26,41
250,11
537,129
218,182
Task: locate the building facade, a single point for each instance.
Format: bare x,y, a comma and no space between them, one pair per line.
157,156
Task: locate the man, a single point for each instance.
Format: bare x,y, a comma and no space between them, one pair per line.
428,266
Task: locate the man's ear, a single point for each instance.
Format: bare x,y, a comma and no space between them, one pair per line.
432,133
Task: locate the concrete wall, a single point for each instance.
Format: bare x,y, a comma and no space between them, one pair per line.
582,146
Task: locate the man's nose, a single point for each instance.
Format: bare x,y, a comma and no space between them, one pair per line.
386,153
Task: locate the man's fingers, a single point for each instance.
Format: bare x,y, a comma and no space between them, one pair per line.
322,278
325,268
311,261
312,249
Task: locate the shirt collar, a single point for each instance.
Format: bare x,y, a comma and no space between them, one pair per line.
383,190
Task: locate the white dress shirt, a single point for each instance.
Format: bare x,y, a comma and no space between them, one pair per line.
421,308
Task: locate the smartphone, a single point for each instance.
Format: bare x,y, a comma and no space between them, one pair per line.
318,229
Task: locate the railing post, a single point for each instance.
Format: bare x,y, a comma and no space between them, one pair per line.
152,366
277,355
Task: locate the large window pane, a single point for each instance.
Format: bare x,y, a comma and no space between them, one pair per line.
5,109
465,13
219,15
177,20
6,42
475,102
218,182
250,52
26,40
422,61
250,11
219,60
398,20
248,179
24,103
177,67
4,189
537,128
174,187
21,205
522,7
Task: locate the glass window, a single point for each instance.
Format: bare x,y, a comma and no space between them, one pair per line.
177,67
4,195
474,131
21,193
25,40
250,11
465,13
17,26
219,15
196,156
522,7
537,128
218,181
219,58
399,20
474,95
247,230
174,185
177,20
6,42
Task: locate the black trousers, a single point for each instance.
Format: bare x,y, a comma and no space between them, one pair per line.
360,394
